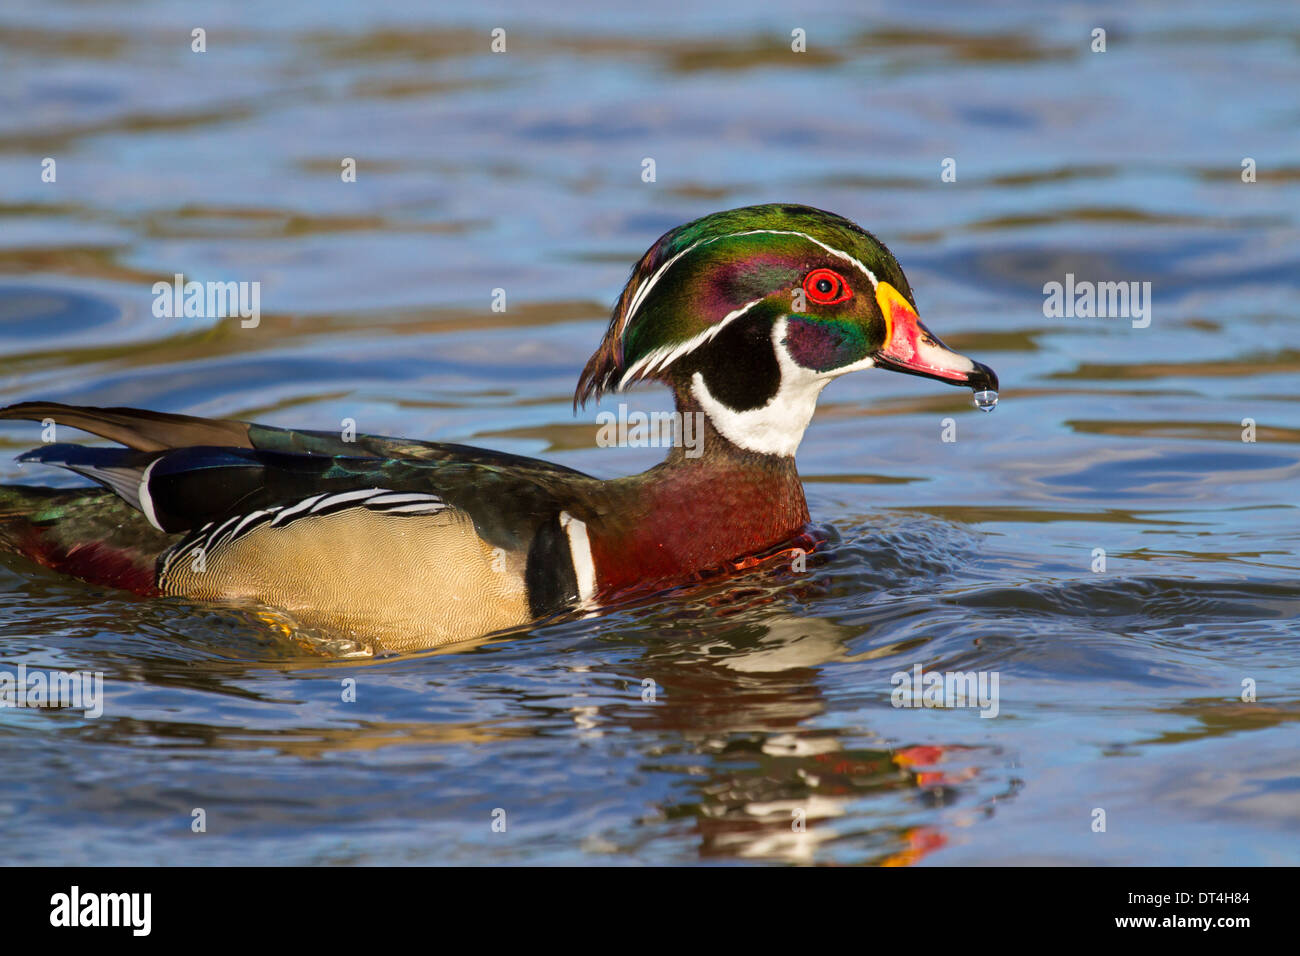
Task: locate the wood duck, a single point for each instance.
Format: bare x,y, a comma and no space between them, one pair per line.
745,314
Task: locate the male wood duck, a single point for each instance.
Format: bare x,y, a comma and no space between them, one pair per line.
745,314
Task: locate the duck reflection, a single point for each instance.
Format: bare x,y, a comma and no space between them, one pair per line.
775,785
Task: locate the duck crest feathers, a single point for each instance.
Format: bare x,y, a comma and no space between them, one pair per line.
691,284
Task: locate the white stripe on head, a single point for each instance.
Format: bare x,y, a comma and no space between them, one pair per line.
661,358
833,251
643,290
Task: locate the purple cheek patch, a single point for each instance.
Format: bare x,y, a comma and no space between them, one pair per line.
823,345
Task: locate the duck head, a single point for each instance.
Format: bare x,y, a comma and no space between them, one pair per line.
748,314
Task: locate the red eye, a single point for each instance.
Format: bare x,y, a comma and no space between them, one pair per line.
826,287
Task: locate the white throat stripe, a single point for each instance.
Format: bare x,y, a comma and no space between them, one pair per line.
777,427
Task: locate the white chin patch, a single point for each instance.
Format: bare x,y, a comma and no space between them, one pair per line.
777,427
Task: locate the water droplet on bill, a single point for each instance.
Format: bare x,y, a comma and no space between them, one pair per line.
986,400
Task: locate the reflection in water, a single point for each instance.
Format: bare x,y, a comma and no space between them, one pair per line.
773,788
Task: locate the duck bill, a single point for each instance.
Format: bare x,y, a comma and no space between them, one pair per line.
912,348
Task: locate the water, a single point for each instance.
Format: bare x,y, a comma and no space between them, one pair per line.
1119,447
986,400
